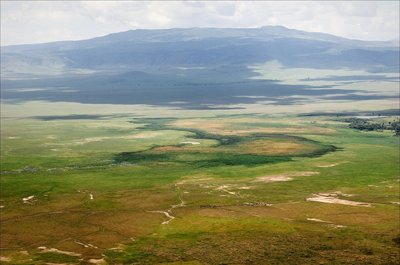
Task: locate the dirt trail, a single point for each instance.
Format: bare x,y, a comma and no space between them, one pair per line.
54,250
85,245
327,223
28,199
224,188
317,220
168,213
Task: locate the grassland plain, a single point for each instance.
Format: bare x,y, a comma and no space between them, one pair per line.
228,189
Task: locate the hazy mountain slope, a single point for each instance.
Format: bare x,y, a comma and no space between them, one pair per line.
198,47
195,68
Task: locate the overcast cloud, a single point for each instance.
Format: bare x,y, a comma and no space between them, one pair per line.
45,21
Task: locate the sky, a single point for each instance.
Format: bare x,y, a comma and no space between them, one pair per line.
25,22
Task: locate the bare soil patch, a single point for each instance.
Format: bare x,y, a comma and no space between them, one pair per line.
188,142
328,165
333,198
285,176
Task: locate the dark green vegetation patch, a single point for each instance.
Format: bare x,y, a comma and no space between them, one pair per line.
198,159
228,150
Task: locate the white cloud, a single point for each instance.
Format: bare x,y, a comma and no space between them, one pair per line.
44,21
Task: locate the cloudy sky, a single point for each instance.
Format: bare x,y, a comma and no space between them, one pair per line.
45,21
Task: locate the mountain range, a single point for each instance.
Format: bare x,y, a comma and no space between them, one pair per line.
181,60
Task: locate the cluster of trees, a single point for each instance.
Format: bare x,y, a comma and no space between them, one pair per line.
369,125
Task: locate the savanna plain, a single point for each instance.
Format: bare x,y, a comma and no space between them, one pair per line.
221,189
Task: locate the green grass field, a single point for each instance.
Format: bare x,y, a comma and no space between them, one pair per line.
226,189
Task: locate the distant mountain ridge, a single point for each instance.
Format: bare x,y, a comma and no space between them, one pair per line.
196,68
196,33
202,47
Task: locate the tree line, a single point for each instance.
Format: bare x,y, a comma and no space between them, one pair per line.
369,125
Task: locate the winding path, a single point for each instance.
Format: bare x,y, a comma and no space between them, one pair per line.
168,213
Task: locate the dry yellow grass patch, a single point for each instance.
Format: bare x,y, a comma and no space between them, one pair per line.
269,147
143,135
288,130
328,165
226,127
170,148
257,147
213,126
